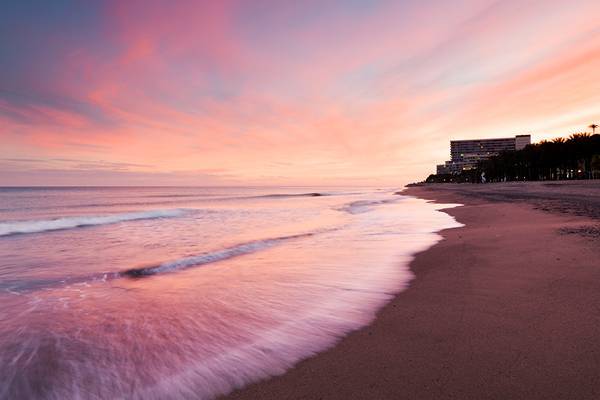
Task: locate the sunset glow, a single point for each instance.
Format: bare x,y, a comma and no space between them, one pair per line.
281,92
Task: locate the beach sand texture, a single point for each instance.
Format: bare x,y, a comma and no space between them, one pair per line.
507,307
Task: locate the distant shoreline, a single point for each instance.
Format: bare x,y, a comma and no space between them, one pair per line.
505,307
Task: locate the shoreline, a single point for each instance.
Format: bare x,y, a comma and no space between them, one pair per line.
504,307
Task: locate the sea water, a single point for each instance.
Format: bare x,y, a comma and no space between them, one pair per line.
176,293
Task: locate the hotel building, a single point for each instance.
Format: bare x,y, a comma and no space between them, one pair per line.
466,154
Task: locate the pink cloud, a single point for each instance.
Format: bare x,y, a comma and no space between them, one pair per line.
373,94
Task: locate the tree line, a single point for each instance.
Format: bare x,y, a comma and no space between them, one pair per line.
576,157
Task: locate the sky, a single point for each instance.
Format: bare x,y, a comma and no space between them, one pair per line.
276,92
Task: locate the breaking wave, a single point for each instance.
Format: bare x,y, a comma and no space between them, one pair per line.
165,267
211,257
171,200
362,206
44,225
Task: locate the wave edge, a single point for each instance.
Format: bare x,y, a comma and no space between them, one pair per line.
47,225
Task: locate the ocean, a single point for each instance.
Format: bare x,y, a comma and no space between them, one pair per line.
177,293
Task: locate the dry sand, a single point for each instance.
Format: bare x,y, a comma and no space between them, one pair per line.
507,307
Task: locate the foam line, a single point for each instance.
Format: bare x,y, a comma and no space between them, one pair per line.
362,206
44,225
210,257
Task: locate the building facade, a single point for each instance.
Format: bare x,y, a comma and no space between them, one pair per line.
466,154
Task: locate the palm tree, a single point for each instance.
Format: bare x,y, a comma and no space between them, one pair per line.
580,136
593,126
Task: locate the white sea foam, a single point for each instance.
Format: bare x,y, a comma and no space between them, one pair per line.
362,206
44,225
204,332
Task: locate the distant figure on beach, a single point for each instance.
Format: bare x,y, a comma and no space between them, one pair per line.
483,177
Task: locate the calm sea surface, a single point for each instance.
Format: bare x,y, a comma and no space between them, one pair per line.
175,293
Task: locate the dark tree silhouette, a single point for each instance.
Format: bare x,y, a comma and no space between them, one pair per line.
577,157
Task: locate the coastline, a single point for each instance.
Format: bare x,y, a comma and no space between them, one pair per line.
505,307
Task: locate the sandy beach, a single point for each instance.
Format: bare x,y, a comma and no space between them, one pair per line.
507,307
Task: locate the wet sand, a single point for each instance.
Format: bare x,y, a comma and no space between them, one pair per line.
506,307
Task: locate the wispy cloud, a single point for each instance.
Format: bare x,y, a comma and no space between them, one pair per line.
275,91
